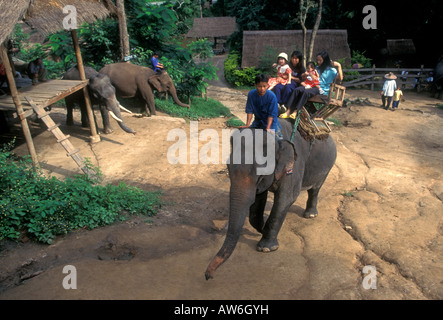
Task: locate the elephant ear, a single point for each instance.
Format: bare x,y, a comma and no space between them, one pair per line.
285,158
155,82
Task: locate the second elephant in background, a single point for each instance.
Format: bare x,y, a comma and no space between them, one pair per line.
132,80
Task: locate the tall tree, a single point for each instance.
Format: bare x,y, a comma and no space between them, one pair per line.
305,6
314,30
124,37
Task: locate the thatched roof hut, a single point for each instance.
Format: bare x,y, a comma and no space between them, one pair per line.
46,16
335,42
217,27
400,46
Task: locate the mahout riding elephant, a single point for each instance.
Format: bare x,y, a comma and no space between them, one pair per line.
132,80
301,165
437,84
101,92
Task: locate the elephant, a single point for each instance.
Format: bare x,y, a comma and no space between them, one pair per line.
132,80
437,83
102,93
299,165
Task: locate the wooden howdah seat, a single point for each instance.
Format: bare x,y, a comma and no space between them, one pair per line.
316,117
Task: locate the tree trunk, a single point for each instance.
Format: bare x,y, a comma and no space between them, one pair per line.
302,22
314,31
124,37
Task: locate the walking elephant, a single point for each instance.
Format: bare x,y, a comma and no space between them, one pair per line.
132,80
102,93
301,165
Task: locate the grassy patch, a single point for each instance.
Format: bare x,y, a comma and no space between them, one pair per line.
440,106
200,109
235,122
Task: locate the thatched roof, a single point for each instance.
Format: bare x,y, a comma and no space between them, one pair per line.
46,16
335,42
212,27
400,46
10,13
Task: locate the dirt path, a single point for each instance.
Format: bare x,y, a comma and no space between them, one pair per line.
380,206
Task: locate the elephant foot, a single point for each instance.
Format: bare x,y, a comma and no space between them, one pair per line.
267,245
108,130
310,214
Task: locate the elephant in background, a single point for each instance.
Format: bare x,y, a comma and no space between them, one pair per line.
437,84
132,80
102,93
301,165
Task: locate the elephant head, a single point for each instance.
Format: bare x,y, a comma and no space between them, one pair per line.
162,82
102,90
247,184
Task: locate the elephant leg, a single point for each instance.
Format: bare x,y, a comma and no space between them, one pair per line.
269,242
69,109
105,117
84,114
148,98
311,204
256,211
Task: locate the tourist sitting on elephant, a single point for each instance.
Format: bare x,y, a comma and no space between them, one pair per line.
262,105
328,70
283,92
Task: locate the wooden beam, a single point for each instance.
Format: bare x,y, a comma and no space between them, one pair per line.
94,135
18,105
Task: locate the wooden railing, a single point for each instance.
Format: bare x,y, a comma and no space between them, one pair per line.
415,77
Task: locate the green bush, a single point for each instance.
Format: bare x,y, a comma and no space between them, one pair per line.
237,76
45,207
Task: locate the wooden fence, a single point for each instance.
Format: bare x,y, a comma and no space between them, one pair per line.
415,77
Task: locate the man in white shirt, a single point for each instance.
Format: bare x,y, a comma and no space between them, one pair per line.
389,87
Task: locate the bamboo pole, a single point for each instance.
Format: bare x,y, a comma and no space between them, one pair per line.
18,105
94,138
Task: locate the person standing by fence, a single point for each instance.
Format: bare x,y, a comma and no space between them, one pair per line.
396,101
389,87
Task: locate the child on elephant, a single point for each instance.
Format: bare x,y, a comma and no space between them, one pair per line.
262,105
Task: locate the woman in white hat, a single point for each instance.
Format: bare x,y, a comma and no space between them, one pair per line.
389,87
283,71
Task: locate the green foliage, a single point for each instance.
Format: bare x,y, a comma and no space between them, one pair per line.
234,122
200,109
46,207
237,76
359,57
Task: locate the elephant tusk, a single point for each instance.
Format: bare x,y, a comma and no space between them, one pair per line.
115,117
124,109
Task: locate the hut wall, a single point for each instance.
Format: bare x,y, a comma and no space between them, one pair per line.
335,42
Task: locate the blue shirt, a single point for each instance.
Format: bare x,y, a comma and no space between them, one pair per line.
326,78
154,62
263,108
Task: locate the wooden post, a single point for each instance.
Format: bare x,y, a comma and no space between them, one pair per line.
18,105
373,76
94,135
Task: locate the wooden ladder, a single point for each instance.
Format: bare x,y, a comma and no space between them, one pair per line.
61,138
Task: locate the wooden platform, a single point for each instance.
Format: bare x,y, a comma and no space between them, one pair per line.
43,94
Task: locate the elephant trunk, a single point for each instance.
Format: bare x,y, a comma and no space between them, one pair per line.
242,196
173,93
115,113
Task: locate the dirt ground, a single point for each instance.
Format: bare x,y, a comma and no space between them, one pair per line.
381,206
